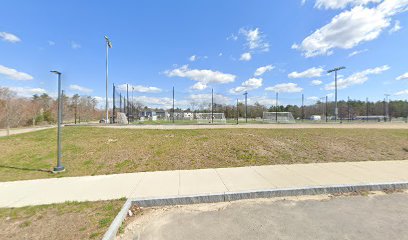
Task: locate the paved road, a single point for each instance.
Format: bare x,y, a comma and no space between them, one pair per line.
219,181
401,125
358,217
14,131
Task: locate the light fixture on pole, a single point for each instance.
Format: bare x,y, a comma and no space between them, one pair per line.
59,167
336,110
108,45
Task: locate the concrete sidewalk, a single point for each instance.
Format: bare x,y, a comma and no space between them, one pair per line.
169,184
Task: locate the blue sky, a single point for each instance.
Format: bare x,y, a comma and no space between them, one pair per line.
199,45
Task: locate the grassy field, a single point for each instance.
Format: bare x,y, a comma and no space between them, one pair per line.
88,220
93,151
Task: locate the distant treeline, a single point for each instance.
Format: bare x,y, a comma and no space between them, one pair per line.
18,111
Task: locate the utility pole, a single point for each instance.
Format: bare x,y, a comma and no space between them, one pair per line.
303,107
173,104
237,111
59,167
212,105
336,110
276,110
108,45
246,107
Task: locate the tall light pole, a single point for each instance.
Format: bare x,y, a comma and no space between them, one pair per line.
108,45
212,105
336,110
59,167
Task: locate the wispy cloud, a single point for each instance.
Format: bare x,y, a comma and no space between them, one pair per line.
28,92
261,70
14,74
309,73
250,84
75,45
357,52
202,76
245,57
9,37
81,89
139,88
356,78
285,88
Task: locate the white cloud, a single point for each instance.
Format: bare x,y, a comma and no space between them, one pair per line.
403,92
309,73
78,88
199,86
138,88
351,28
250,84
232,37
204,76
28,92
303,2
219,54
14,74
51,43
356,78
9,37
403,76
75,45
316,82
285,87
261,70
357,52
255,39
245,56
396,28
263,100
339,4
206,98
193,58
313,98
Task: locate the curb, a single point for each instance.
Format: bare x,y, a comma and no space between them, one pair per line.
234,196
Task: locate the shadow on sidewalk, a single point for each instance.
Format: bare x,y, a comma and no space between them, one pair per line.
26,169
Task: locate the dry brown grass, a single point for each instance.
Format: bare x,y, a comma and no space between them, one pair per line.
88,220
92,151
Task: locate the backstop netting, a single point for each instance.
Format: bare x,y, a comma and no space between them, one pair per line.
278,117
208,118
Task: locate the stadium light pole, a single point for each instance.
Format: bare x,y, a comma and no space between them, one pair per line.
59,167
336,110
348,108
246,107
303,106
108,45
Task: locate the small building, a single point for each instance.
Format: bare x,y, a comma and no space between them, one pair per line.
315,118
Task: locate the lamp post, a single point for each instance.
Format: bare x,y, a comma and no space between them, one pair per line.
59,167
108,45
336,110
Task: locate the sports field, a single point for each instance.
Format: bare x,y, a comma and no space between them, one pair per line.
94,151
